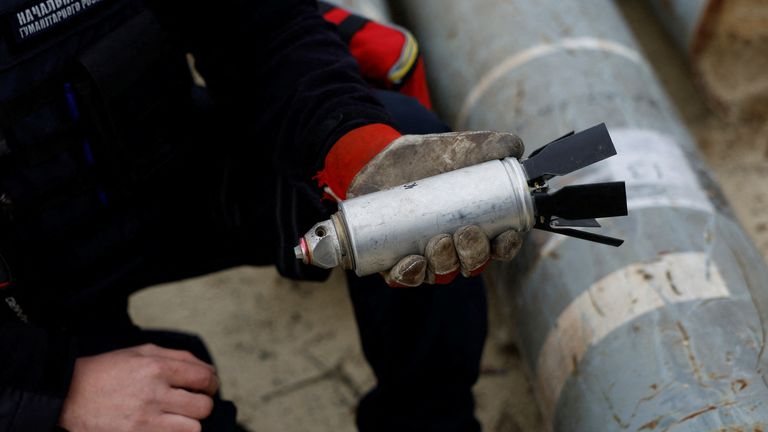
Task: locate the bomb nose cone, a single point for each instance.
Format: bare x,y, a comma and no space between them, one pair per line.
320,246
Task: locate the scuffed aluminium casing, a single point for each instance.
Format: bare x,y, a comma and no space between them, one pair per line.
383,227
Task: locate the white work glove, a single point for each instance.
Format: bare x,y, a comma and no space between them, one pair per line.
414,157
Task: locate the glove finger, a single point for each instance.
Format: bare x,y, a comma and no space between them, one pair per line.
506,245
408,272
473,249
442,260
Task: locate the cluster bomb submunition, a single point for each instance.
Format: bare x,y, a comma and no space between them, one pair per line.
370,233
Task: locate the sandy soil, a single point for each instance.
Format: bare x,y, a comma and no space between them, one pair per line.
288,352
732,59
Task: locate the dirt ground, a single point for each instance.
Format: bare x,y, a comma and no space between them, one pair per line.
288,352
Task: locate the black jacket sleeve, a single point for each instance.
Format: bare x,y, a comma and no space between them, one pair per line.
35,370
286,72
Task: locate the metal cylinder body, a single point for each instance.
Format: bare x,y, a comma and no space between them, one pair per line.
726,44
383,227
665,333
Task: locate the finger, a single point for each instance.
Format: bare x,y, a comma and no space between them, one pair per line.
473,249
177,423
193,377
180,355
506,245
442,260
408,272
182,402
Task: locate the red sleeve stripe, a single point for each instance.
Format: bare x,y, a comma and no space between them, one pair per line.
336,16
350,154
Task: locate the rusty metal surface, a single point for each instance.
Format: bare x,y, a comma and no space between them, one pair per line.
666,333
672,341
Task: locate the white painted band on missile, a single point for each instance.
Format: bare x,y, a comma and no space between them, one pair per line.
520,58
656,172
614,301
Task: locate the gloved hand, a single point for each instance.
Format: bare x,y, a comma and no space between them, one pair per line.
376,157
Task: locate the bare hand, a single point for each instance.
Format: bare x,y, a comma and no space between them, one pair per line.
144,388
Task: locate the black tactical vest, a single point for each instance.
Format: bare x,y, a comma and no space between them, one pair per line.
93,94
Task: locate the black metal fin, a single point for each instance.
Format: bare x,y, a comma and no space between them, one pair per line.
557,223
583,201
538,150
584,235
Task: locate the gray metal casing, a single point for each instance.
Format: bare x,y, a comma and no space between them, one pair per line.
666,333
384,227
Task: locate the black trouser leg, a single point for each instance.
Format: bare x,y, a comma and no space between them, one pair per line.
424,344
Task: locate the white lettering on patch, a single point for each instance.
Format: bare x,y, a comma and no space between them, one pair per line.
47,14
14,305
